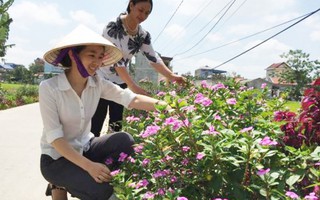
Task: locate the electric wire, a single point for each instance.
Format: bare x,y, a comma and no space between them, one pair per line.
310,14
208,31
168,21
190,22
243,38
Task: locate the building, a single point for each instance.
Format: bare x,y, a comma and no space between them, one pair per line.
142,70
207,72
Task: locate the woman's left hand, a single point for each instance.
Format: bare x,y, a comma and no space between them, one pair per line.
179,79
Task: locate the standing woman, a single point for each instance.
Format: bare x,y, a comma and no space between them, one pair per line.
127,34
72,159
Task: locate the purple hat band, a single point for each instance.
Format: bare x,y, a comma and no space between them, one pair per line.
82,70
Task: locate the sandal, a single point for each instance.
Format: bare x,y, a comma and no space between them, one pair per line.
51,187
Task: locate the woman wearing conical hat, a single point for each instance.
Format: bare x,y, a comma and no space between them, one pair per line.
72,158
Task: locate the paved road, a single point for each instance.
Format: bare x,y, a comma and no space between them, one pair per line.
20,177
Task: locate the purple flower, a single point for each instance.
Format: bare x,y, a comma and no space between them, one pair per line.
182,198
138,149
246,129
262,172
150,130
292,195
263,85
132,119
148,195
109,161
200,155
145,162
211,131
231,101
115,172
218,86
142,183
266,141
311,196
185,148
122,157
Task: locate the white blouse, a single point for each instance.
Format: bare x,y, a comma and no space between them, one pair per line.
65,114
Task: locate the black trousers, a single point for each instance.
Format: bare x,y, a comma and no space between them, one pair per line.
78,182
115,115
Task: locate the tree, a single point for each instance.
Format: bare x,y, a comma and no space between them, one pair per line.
301,73
5,22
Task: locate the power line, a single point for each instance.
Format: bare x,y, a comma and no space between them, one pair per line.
246,37
168,21
207,32
266,39
190,22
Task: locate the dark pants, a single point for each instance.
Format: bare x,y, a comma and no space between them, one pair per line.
78,182
115,115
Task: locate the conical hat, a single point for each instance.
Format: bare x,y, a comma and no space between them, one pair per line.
82,36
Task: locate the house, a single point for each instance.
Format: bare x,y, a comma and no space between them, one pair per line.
273,73
207,72
141,70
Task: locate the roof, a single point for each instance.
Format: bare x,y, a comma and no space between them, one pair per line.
215,71
276,80
277,65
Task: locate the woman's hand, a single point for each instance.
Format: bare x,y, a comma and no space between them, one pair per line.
138,90
99,172
179,79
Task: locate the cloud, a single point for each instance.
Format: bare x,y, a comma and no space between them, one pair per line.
27,13
88,19
175,31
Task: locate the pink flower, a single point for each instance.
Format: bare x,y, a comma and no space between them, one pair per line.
142,183
182,198
109,161
132,119
145,162
148,195
231,101
139,148
263,85
161,94
115,172
185,148
122,157
150,130
218,86
292,195
262,172
211,131
200,155
246,129
311,196
266,141
204,84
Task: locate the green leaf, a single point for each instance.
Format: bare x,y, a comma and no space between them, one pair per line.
293,179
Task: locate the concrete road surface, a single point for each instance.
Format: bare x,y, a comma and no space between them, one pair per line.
20,132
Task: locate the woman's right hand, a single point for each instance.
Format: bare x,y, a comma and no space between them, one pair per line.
99,172
138,90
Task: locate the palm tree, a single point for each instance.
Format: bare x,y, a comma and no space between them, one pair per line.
5,22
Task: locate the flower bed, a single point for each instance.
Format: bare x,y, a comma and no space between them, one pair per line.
222,142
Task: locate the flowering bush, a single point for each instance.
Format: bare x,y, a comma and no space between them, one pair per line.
217,142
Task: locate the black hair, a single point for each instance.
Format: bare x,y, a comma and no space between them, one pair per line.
137,1
66,61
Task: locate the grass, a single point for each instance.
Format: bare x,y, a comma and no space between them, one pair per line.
10,86
293,106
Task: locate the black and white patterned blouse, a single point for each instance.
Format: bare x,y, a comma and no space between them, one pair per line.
129,45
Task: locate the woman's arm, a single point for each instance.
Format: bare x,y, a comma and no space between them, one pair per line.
98,171
165,71
124,75
142,102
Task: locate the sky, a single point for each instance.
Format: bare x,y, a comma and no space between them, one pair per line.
195,33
